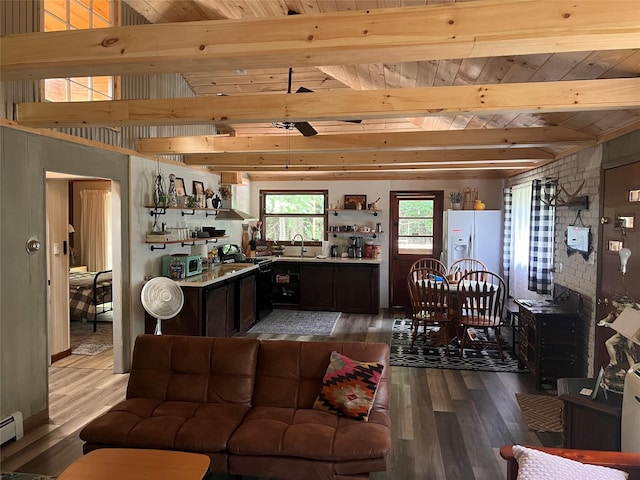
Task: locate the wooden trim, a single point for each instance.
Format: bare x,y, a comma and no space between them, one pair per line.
60,355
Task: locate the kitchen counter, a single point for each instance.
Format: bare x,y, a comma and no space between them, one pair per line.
229,270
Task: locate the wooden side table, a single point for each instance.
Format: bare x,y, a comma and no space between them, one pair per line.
137,464
589,424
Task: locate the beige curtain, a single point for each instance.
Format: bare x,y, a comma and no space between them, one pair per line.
95,233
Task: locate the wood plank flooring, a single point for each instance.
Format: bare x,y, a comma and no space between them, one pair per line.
446,424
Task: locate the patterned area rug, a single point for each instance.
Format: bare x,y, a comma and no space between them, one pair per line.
297,322
424,355
84,341
541,413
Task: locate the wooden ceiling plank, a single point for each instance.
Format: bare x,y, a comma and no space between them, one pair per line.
580,95
595,65
451,139
627,67
460,30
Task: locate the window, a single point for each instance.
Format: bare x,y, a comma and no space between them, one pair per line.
285,214
416,226
76,15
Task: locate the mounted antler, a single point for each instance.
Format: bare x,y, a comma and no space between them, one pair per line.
569,199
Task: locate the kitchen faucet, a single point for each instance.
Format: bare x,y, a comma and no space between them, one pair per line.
301,243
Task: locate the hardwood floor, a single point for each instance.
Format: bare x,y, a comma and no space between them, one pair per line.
446,424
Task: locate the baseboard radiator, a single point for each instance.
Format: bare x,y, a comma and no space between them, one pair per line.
11,427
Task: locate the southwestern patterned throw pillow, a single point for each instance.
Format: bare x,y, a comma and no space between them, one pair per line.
349,387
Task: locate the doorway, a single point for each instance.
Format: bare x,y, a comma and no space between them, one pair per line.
416,232
620,189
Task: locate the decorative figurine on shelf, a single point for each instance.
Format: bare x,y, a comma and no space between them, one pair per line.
208,194
173,196
159,197
216,201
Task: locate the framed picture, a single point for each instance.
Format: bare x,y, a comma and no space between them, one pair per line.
198,188
355,202
180,191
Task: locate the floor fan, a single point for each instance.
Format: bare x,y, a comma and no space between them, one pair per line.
162,298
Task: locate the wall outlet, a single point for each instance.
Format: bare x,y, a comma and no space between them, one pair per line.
559,267
56,249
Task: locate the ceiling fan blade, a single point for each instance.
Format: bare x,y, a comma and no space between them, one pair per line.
305,129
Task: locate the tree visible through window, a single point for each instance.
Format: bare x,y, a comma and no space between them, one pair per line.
285,214
77,15
415,226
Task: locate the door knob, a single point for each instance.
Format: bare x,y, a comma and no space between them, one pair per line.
33,246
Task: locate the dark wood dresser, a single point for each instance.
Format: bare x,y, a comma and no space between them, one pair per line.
547,341
589,424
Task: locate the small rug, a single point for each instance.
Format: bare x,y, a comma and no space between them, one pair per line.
84,341
424,355
297,322
541,413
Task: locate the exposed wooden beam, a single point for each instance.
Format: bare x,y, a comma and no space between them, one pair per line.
398,141
225,161
295,176
436,166
460,30
578,95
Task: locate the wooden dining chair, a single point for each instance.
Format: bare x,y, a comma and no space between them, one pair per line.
465,265
430,299
481,298
432,263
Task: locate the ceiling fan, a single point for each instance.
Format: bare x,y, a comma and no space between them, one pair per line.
304,128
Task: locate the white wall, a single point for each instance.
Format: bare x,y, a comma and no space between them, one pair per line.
490,191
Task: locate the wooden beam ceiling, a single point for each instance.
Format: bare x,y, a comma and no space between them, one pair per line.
397,141
538,97
452,31
241,161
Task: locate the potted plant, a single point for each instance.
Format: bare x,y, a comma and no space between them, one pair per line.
456,199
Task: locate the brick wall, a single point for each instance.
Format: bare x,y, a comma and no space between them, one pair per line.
573,272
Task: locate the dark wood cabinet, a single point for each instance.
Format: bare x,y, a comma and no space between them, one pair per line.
221,309
316,287
589,424
286,284
357,289
547,341
349,288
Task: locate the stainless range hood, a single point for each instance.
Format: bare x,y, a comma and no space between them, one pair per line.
234,214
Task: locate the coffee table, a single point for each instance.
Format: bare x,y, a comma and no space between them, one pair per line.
138,464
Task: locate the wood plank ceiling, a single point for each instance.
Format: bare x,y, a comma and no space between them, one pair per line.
516,138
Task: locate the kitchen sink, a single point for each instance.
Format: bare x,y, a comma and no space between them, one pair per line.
230,267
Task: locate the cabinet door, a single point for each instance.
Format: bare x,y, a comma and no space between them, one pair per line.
356,289
231,318
216,306
246,302
187,322
316,287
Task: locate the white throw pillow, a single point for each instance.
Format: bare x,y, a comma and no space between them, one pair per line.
536,465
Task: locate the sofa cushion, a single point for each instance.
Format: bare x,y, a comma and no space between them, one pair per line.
149,423
312,434
349,387
193,369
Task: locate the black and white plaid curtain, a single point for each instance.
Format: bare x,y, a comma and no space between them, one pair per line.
541,238
508,222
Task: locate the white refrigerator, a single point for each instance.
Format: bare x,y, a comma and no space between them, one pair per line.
473,234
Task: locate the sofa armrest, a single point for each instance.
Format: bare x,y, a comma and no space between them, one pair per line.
625,461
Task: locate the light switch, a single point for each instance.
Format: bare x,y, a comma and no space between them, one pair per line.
56,249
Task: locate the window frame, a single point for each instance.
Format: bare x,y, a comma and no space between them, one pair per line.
325,215
436,220
71,81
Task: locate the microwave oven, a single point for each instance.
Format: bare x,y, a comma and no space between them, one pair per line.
192,264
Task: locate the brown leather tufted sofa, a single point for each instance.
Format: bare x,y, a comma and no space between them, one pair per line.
246,403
